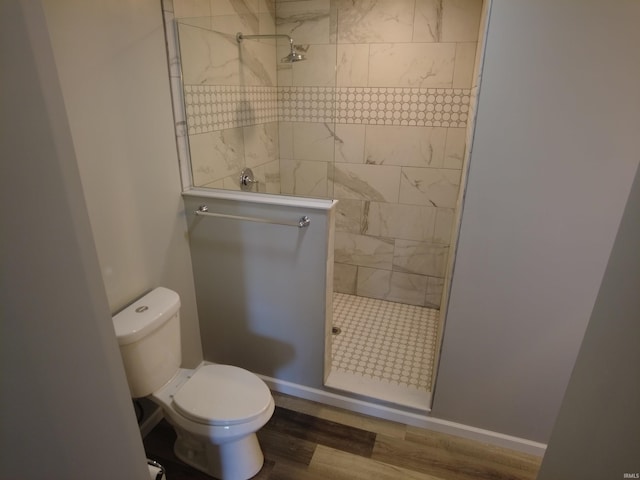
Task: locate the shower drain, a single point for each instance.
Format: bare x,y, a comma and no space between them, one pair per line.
336,330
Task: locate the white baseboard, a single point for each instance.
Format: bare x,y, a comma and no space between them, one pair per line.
408,418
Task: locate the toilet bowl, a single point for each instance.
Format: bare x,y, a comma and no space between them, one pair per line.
214,409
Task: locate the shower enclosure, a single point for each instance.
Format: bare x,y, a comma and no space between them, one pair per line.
376,116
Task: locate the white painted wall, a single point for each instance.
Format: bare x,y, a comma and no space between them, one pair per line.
597,434
112,65
64,403
553,158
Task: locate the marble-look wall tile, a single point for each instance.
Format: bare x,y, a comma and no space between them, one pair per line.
352,66
461,20
331,168
427,23
284,70
220,7
268,176
392,286
285,140
464,65
349,216
447,20
197,65
362,250
216,155
405,146
241,15
267,6
407,288
306,21
411,64
366,182
420,258
435,287
217,184
443,226
234,7
344,278
319,68
349,143
373,283
307,178
313,141
257,64
266,24
333,22
455,148
193,12
391,220
212,58
260,144
373,21
232,24
429,186
232,182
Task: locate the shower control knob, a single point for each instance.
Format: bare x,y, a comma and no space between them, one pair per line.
247,179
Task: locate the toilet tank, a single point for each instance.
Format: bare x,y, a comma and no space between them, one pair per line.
148,333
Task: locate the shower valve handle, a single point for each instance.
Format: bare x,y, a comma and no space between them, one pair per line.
247,179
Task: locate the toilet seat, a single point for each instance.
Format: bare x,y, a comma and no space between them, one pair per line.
222,395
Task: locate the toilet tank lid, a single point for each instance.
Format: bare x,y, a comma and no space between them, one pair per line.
145,315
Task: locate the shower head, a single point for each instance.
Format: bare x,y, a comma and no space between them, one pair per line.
293,56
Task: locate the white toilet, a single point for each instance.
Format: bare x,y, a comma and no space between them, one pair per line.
214,409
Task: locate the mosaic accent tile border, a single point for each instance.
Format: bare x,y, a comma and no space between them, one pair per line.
425,107
307,104
385,341
219,107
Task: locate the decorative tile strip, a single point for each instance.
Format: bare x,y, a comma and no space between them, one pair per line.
428,107
215,107
219,107
307,104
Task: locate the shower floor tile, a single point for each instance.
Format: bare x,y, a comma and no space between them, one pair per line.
385,350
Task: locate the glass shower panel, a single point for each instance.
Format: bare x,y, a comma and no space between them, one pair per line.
307,99
231,104
249,114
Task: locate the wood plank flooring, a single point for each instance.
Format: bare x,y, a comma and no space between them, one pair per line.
309,441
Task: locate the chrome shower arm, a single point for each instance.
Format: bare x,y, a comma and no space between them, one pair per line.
241,36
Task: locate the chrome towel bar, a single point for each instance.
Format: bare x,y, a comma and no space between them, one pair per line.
204,211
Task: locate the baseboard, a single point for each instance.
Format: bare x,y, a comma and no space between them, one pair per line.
408,418
152,416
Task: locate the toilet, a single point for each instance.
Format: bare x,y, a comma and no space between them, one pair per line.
215,410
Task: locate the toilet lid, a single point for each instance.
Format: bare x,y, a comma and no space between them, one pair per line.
222,395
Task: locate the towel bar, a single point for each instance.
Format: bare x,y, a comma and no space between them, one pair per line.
302,223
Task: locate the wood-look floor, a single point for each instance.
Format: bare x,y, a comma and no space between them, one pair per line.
308,441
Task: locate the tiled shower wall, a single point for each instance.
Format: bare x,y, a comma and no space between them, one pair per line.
230,91
375,117
398,75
